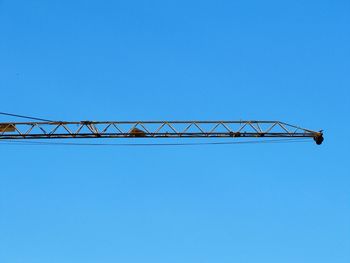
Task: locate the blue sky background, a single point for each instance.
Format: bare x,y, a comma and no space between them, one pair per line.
128,60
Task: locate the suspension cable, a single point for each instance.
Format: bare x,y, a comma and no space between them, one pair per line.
24,117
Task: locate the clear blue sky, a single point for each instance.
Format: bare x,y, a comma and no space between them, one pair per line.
127,60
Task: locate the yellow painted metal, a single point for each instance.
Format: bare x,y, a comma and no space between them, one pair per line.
5,127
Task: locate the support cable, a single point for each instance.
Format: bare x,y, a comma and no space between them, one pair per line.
24,117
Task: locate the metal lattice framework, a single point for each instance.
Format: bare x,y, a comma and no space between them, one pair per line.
154,129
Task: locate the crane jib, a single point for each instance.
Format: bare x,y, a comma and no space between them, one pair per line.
154,129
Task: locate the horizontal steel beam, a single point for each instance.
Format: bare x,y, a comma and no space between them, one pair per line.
154,129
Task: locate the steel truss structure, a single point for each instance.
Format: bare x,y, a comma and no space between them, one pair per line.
154,129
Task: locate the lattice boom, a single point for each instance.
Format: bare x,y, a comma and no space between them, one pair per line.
153,129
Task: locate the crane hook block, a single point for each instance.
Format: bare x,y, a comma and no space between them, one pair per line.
318,138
